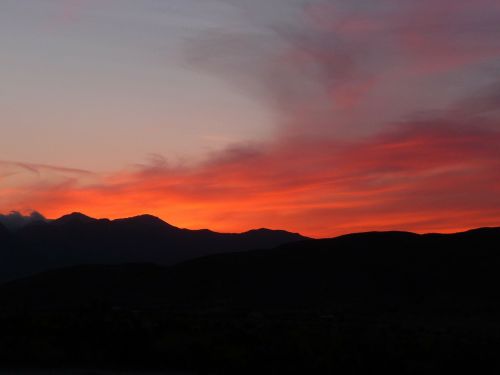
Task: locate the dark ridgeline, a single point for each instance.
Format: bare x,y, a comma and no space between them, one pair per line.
368,271
391,301
77,239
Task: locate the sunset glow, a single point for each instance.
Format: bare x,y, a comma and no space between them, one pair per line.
321,118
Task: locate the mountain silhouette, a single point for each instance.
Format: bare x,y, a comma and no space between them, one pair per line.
396,270
77,239
3,231
74,218
397,302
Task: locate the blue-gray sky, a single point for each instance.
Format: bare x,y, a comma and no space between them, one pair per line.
105,83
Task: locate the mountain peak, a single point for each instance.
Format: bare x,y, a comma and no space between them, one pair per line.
75,217
265,230
145,219
273,232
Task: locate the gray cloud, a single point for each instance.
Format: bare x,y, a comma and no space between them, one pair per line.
333,68
15,220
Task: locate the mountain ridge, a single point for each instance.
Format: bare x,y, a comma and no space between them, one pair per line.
80,239
400,270
400,301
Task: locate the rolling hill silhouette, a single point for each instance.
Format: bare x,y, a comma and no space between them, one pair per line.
4,233
396,302
393,270
78,239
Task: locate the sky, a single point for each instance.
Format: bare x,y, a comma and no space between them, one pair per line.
317,116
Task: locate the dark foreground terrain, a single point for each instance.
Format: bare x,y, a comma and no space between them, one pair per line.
398,302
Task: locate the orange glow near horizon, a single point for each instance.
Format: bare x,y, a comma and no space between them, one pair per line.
420,179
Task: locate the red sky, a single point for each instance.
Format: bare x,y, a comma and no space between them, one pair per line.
374,117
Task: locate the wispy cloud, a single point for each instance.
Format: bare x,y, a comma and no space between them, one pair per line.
39,168
349,68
